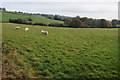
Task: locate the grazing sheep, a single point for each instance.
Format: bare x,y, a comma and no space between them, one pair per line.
17,28
26,29
44,32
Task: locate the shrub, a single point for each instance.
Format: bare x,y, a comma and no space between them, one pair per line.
20,21
56,24
41,24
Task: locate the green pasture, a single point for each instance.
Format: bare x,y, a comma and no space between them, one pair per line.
63,53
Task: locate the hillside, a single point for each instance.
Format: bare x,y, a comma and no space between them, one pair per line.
63,53
36,18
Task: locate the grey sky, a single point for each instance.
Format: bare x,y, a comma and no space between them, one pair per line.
107,9
59,0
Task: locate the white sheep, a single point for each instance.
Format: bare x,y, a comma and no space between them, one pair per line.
26,29
44,32
17,28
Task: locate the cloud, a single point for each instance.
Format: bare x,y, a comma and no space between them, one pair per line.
59,0
106,10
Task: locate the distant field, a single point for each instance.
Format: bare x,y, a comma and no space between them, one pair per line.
36,18
118,25
64,53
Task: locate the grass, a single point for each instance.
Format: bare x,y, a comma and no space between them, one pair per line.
118,25
36,18
63,53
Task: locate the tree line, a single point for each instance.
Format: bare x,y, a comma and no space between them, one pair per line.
84,22
73,22
54,17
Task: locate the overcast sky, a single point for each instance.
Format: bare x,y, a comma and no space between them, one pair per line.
59,0
107,9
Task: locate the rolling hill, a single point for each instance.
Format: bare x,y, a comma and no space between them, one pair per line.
6,15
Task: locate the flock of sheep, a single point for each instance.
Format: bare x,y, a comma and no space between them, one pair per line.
27,29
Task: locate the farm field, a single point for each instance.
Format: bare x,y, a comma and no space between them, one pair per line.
36,18
118,25
63,53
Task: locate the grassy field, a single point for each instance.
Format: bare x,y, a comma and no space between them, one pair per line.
63,53
36,18
118,25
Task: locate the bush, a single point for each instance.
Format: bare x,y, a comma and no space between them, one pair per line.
56,24
41,24
20,21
